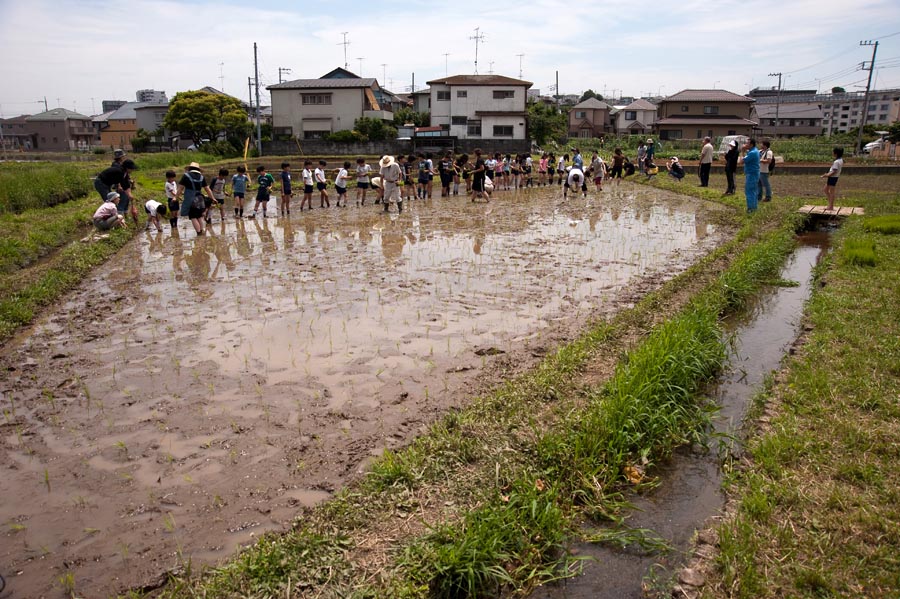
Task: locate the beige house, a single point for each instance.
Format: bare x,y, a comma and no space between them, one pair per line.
61,130
589,119
792,119
314,108
697,113
635,119
480,106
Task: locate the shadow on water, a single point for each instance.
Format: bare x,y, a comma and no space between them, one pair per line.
690,492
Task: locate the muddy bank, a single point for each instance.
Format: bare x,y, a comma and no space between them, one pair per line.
196,392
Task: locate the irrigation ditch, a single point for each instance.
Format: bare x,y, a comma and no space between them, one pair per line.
650,551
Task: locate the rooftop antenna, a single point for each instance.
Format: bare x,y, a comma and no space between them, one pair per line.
222,76
284,70
360,59
521,56
446,54
345,43
478,37
384,73
490,67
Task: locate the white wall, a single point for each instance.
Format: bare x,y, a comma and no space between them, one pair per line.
479,98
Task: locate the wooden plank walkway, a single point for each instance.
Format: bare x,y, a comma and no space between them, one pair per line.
838,210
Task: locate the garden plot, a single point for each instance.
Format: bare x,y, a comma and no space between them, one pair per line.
197,392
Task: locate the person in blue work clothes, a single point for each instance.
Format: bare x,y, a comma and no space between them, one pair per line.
577,160
750,160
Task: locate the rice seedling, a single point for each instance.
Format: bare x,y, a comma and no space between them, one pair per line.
888,224
67,582
860,252
47,479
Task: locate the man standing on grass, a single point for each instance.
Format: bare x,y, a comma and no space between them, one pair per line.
750,160
706,158
766,158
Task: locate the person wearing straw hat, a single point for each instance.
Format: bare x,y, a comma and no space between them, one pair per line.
191,188
390,176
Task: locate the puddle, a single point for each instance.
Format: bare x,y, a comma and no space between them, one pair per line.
690,486
196,392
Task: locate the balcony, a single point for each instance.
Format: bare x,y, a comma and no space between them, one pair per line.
384,115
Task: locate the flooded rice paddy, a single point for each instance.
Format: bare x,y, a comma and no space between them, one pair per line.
196,392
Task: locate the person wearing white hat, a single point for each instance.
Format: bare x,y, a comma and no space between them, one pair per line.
390,176
107,215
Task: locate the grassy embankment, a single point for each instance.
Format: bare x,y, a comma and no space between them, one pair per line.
45,209
815,504
486,500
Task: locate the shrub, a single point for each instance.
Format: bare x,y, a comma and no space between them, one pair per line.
346,136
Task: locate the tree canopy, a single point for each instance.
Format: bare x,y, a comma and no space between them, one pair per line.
408,115
590,94
545,123
203,115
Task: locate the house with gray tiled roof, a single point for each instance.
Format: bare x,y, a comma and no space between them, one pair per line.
61,130
314,108
480,106
589,118
697,113
635,119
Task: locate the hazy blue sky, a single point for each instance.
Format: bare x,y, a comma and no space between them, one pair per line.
79,53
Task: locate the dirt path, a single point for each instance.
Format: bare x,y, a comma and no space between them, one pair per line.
196,392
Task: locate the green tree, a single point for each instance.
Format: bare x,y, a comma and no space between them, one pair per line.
408,115
894,132
838,90
199,115
590,94
545,123
374,129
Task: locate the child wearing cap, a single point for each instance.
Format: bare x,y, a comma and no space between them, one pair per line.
107,215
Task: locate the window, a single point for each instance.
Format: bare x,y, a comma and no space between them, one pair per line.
673,134
710,110
580,114
771,122
503,130
474,128
315,134
461,93
882,117
316,99
685,108
502,94
443,95
458,120
884,106
699,133
852,121
585,134
631,115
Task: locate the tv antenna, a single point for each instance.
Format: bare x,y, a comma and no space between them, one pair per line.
345,43
478,37
521,56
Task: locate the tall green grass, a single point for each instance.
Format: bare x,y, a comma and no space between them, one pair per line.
39,185
36,232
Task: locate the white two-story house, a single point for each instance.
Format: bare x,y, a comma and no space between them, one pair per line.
313,108
635,119
480,106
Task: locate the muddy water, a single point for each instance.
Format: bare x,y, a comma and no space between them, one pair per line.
690,486
196,392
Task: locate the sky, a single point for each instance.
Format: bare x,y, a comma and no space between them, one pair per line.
77,53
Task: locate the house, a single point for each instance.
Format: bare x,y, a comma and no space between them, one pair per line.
314,108
16,134
635,118
697,113
61,130
796,118
589,118
480,106
421,100
150,117
122,124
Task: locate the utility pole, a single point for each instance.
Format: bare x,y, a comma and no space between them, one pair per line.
345,43
284,70
865,113
256,81
521,56
45,104
250,90
777,103
478,37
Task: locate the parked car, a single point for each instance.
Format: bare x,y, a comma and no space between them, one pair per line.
196,146
878,144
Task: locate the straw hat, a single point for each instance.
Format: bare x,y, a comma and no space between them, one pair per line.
386,161
649,141
194,166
